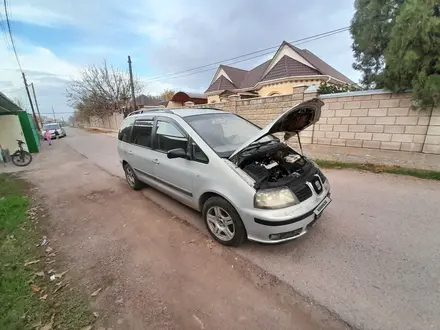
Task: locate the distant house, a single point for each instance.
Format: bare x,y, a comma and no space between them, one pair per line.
289,67
142,101
180,98
16,124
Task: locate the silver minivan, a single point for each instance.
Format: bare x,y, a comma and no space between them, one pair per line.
246,182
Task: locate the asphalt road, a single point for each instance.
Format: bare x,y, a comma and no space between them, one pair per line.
373,258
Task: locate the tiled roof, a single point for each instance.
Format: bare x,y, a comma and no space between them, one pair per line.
146,100
288,67
236,75
324,67
222,83
254,76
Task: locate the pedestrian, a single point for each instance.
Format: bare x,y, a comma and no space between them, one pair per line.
48,137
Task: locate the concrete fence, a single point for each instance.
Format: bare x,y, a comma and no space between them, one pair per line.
111,122
374,119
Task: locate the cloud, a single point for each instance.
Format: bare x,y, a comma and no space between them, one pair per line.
164,37
206,32
47,71
31,14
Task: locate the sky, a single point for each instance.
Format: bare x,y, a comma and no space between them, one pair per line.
55,39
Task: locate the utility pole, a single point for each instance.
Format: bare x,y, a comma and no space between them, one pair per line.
53,111
131,83
30,101
36,103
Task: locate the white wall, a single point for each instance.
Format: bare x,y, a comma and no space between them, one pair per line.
10,131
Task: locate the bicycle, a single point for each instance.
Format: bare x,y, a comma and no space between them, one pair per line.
21,157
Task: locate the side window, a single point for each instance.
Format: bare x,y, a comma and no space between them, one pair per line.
198,154
124,131
141,133
168,137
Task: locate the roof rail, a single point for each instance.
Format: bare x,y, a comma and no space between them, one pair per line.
148,111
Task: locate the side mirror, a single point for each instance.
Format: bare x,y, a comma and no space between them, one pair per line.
177,153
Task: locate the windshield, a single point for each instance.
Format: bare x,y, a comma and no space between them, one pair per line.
224,132
51,126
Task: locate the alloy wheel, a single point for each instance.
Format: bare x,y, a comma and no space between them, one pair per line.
130,176
220,223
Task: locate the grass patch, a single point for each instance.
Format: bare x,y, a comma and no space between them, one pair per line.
422,174
20,307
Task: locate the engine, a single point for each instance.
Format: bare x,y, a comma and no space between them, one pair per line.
273,165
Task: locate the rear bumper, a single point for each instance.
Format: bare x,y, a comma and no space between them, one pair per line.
276,226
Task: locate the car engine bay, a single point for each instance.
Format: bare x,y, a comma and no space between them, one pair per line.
273,165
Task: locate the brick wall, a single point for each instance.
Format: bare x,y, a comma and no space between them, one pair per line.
375,119
367,119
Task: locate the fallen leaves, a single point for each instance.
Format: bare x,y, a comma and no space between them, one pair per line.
40,274
60,286
55,276
49,325
35,288
94,294
43,297
49,249
31,262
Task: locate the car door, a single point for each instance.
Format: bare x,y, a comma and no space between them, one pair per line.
140,153
174,176
124,138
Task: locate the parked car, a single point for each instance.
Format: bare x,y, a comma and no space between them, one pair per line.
54,128
245,181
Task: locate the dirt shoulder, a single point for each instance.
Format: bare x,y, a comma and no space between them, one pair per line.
153,270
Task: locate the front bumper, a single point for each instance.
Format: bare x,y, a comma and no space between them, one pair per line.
275,226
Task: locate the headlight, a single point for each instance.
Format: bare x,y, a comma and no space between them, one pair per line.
274,198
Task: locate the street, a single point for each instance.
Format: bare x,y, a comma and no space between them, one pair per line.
371,259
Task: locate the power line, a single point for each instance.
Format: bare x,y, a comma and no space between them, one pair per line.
10,35
299,41
239,61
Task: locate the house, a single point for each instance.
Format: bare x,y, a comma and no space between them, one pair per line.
180,98
142,101
290,67
16,124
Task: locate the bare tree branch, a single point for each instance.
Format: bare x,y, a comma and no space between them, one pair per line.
100,91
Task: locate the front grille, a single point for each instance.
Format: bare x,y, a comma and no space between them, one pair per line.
317,185
302,192
321,176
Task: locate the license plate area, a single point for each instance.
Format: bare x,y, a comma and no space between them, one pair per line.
325,202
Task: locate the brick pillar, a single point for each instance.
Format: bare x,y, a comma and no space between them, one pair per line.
233,99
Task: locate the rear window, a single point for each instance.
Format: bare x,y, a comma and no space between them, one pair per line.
141,133
124,131
51,126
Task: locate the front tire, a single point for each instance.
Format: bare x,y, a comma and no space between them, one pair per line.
223,222
131,178
23,158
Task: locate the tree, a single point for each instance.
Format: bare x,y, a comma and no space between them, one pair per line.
413,54
166,95
100,91
326,88
371,31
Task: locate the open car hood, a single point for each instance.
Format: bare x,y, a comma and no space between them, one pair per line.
290,122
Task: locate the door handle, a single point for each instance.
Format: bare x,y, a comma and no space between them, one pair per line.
155,161
130,152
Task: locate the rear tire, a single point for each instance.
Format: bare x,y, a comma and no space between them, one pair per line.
223,222
19,161
131,178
